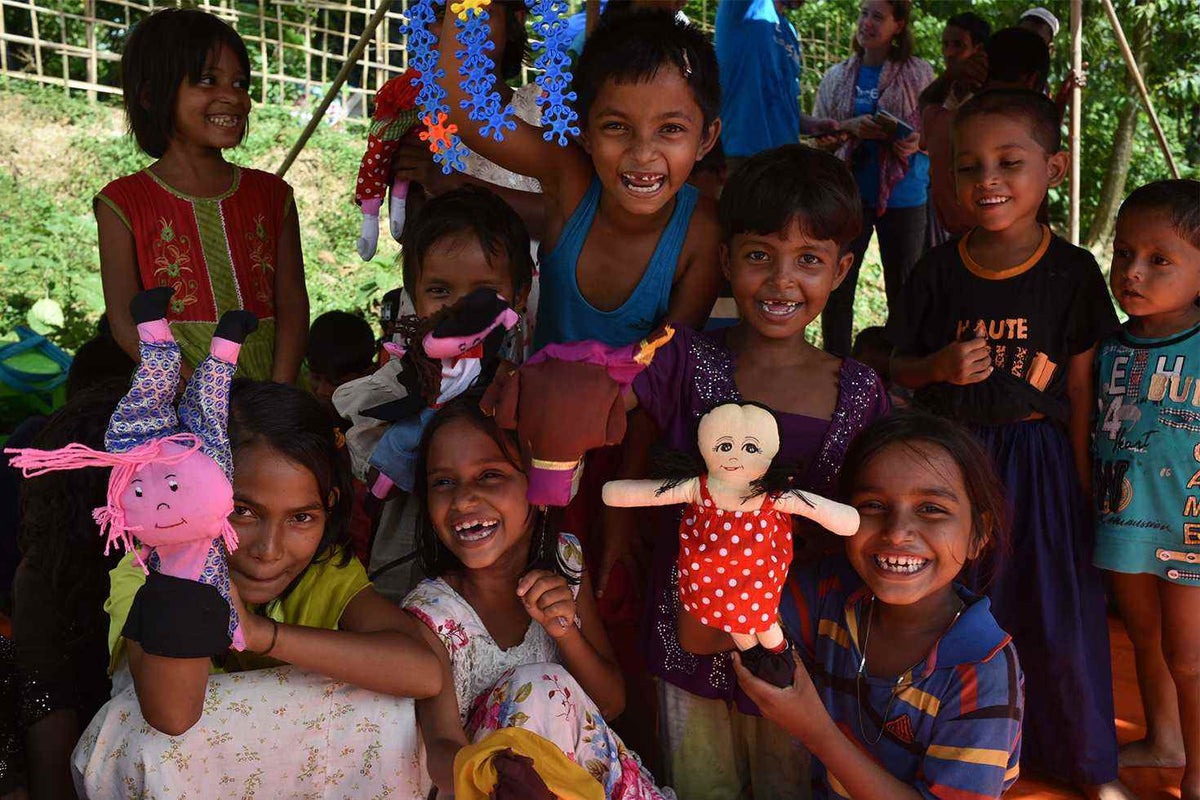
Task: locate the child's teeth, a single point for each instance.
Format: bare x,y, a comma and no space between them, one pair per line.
901,564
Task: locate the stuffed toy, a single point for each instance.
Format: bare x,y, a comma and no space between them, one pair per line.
170,492
395,116
435,361
735,536
565,400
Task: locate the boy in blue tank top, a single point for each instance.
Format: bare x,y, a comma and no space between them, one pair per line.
628,242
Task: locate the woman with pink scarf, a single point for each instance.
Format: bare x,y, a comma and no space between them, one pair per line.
868,93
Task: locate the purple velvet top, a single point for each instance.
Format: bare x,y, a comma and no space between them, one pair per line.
689,375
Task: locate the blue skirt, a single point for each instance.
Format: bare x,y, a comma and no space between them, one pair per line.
1047,594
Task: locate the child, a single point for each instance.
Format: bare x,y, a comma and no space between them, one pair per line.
915,690
628,242
341,347
997,329
223,236
302,600
460,241
508,609
1145,467
787,217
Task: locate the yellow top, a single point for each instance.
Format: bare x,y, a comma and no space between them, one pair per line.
317,601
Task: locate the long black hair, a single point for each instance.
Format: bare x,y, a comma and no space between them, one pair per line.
434,557
293,423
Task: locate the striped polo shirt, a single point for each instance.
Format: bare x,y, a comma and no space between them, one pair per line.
953,730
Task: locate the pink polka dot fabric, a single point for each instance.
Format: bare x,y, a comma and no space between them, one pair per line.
732,564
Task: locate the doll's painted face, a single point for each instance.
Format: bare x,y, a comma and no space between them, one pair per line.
738,442
181,502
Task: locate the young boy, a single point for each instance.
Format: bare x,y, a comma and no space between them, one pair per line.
1147,464
997,330
628,242
460,241
1013,58
341,347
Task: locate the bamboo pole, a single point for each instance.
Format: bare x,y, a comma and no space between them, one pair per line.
1132,64
1076,117
93,63
3,49
262,46
592,8
343,73
37,38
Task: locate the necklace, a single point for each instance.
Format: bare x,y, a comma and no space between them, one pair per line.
862,671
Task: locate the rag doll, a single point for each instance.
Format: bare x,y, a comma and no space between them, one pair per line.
565,400
735,535
170,493
395,116
436,360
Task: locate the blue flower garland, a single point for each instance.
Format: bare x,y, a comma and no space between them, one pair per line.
477,72
558,117
447,148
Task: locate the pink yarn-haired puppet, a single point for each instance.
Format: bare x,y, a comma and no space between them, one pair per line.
170,493
395,115
736,532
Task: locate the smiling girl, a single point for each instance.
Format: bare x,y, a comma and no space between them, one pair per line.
224,237
302,600
508,609
909,688
787,216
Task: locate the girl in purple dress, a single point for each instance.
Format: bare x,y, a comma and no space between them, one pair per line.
787,217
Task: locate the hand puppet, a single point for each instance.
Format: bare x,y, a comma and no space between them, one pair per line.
735,537
436,360
395,115
565,400
170,492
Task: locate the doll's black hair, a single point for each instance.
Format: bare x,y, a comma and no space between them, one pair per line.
434,558
165,49
674,467
294,424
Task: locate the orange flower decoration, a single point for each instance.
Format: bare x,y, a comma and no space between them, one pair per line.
438,134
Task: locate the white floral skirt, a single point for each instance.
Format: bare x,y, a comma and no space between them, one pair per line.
273,733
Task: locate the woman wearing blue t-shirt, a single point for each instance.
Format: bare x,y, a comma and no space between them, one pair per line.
892,175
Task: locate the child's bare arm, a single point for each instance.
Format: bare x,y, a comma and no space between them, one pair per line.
291,302
118,276
439,721
1081,393
378,647
170,691
696,288
564,172
585,648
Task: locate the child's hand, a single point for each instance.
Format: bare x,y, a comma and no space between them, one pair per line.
964,363
257,630
549,601
796,708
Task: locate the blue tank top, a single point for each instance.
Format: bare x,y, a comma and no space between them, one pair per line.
565,315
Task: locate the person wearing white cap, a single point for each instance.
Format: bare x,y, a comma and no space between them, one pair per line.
1042,22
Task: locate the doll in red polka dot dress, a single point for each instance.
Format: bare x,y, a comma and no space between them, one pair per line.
395,116
735,535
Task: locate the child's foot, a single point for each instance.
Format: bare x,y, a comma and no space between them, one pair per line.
151,304
1144,753
235,326
1115,790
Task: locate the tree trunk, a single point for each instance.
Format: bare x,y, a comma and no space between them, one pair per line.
1112,190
